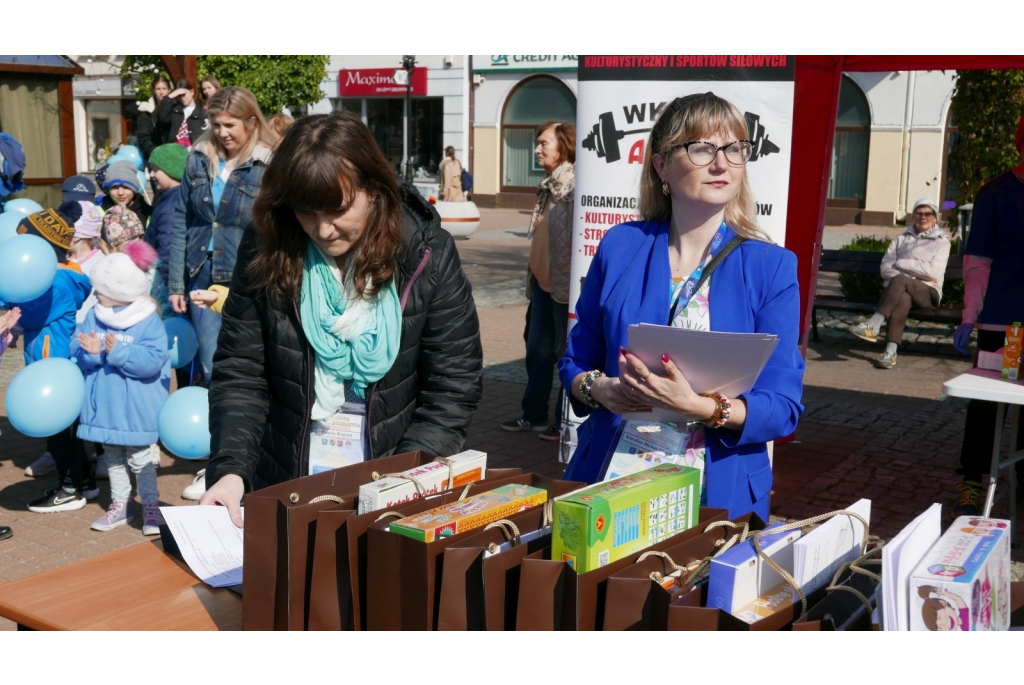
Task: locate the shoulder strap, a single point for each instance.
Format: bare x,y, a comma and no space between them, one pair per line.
718,259
709,269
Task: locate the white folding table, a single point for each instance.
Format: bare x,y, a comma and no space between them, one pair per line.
979,384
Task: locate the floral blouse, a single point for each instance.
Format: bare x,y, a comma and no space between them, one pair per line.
696,315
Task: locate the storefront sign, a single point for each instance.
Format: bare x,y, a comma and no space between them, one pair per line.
361,82
483,64
620,97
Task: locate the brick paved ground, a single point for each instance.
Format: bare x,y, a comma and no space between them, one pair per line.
887,435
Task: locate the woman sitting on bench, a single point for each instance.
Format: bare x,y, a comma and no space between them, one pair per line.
913,268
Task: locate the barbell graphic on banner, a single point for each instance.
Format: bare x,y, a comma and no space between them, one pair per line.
604,138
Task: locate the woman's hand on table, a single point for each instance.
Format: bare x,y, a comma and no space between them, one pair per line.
227,492
671,391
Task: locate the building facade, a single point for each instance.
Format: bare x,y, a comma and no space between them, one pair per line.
893,134
513,95
104,108
368,86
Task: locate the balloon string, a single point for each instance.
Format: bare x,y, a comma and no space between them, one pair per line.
192,368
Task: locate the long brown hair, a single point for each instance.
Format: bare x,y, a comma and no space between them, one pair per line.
691,118
323,160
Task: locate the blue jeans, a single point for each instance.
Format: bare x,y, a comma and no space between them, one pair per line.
206,323
545,345
119,458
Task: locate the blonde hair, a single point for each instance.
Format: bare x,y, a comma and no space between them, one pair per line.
692,118
240,103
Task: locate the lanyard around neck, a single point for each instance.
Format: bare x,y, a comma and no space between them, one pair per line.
686,292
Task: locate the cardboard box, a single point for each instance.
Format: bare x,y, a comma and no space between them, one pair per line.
472,512
736,575
601,524
963,582
466,467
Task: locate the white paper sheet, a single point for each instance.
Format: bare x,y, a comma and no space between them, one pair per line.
711,361
209,542
818,555
899,559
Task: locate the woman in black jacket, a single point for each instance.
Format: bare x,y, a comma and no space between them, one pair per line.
181,117
403,360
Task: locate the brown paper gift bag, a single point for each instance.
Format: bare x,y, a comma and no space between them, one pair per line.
552,596
338,581
481,591
279,538
638,597
404,575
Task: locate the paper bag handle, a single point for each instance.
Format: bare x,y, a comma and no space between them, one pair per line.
326,498
388,513
800,524
508,529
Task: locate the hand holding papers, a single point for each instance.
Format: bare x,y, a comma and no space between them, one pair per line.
728,363
209,542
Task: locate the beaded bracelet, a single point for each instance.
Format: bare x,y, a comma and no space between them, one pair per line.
723,408
585,384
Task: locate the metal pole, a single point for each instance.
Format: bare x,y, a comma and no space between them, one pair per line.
408,123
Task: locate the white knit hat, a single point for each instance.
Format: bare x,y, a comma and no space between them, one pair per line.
121,276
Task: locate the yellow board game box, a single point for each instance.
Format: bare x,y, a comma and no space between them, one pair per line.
472,512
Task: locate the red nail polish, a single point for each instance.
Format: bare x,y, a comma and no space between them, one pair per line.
664,358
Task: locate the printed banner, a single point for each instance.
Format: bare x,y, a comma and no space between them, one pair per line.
619,99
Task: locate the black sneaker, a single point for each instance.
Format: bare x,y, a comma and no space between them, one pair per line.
59,500
5,532
89,492
520,425
551,434
970,499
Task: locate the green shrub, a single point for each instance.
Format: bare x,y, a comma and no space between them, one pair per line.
867,286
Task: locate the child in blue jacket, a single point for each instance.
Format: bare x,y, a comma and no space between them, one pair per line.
122,349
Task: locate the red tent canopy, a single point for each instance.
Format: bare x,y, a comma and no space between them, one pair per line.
816,100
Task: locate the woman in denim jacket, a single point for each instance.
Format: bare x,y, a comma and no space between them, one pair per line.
222,179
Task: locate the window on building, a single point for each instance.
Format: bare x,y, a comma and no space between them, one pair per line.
535,102
386,119
950,184
849,177
103,130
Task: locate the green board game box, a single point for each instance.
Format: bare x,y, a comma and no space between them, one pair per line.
603,523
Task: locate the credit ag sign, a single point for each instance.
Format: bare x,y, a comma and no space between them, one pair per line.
363,82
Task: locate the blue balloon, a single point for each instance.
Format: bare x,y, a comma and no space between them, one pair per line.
142,180
27,267
181,341
45,397
9,224
184,423
130,154
22,206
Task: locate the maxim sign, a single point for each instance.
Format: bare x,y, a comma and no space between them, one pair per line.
360,82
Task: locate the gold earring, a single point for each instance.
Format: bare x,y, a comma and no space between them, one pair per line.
664,189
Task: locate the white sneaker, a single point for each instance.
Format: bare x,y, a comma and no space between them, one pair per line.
102,470
197,489
41,466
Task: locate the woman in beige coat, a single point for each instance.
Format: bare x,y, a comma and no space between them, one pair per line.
451,177
913,268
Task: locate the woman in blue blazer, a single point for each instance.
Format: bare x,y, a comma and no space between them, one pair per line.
695,201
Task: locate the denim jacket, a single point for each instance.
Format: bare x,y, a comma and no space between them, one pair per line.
195,217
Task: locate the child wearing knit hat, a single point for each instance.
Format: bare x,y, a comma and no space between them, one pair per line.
122,349
83,250
167,166
121,183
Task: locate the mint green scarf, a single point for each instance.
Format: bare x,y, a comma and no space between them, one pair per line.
354,339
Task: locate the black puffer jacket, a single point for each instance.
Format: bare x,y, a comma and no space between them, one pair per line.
261,392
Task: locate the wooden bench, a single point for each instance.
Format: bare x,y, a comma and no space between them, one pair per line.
849,261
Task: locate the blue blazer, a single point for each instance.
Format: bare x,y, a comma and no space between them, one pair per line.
754,290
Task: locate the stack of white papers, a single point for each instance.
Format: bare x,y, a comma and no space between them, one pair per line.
209,542
899,559
820,553
728,363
